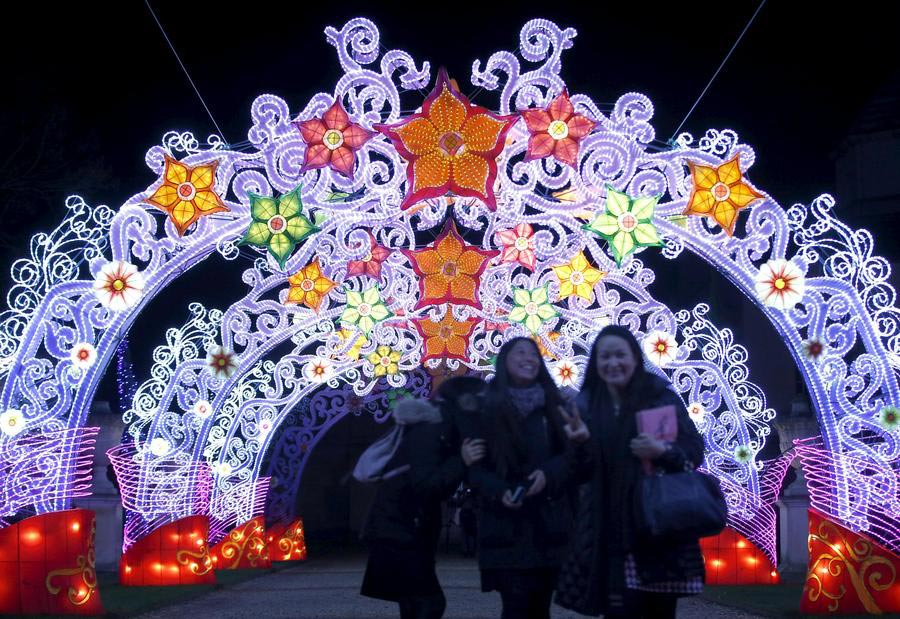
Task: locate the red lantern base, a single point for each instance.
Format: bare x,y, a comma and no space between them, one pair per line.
244,547
732,559
848,573
175,554
286,542
47,562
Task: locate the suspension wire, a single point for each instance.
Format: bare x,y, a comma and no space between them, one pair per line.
183,68
709,83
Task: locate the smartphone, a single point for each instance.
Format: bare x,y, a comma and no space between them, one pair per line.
517,494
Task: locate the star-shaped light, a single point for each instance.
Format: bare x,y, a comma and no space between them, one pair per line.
222,469
532,308
566,373
556,131
743,454
119,286
889,417
577,278
309,286
696,412
12,422
370,265
451,146
83,355
221,362
318,370
186,193
203,409
385,360
159,447
626,224
720,193
364,310
780,283
278,224
446,339
449,271
354,351
660,348
332,141
518,246
813,348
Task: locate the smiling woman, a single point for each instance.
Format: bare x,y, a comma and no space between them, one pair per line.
612,569
524,487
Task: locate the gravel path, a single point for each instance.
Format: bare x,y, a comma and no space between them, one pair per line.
329,588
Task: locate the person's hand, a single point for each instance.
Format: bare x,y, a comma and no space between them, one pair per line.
472,450
538,482
575,428
645,446
507,501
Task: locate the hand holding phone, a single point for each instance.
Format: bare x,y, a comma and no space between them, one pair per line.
512,499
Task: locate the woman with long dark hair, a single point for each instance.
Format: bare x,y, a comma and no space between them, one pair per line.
611,570
526,508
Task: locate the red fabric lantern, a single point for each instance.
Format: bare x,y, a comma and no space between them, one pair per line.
286,542
848,573
732,559
174,554
244,547
48,565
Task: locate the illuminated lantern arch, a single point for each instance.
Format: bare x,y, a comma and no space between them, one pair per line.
251,403
829,295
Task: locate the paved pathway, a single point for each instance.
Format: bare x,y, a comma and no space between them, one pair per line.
329,589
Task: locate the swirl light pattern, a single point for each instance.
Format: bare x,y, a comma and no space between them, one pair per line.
817,281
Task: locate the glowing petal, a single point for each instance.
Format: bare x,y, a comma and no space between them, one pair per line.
730,171
471,171
481,132
419,136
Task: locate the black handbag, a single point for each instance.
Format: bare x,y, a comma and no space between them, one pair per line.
683,505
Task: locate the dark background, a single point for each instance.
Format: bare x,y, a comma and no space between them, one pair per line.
90,86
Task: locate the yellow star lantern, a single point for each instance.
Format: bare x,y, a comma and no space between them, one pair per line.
720,193
186,193
309,286
355,351
577,278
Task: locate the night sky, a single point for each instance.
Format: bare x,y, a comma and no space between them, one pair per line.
91,86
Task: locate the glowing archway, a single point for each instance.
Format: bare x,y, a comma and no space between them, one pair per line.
816,280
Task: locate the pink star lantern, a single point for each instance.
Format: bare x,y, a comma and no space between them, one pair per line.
556,131
518,245
370,265
332,141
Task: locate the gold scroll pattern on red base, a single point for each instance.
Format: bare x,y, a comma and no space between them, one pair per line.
78,594
245,543
198,562
847,572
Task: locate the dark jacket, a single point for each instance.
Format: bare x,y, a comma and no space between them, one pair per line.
605,523
536,535
406,509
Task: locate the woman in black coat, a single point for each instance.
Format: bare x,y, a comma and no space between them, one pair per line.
522,537
404,522
611,570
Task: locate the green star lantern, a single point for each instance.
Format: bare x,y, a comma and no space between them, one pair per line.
626,224
279,224
364,310
532,308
